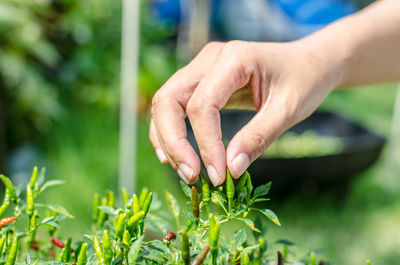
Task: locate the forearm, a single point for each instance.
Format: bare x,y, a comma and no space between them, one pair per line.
366,44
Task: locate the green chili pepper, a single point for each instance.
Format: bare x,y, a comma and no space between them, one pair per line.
143,196
82,258
134,220
195,203
185,247
368,262
213,238
12,254
249,186
313,259
7,182
32,181
125,196
30,207
108,253
66,257
110,198
126,238
285,251
230,190
147,203
102,215
96,203
119,229
135,204
5,204
199,259
99,251
245,259
205,189
32,227
2,244
241,190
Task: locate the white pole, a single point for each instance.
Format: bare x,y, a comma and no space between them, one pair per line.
391,176
128,96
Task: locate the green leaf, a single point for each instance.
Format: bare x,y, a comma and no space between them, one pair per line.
50,183
134,250
57,218
262,190
238,239
189,216
218,198
269,214
173,205
57,208
284,242
250,224
261,200
108,210
186,189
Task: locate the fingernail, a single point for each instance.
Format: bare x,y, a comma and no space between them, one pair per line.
213,175
161,155
185,172
240,163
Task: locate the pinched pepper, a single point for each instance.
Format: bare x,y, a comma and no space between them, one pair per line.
82,258
205,189
185,247
195,203
230,189
12,255
199,259
7,220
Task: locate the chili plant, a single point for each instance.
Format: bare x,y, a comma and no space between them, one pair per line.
119,235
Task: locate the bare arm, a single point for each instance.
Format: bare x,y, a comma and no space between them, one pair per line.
284,82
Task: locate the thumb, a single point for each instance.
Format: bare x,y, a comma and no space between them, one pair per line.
252,140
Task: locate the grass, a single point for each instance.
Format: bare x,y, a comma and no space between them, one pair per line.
83,150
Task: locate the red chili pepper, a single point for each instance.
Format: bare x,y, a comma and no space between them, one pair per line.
170,236
7,220
57,242
34,245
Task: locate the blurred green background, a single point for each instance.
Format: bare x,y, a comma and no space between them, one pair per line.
59,108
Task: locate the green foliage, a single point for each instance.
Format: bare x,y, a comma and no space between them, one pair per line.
118,235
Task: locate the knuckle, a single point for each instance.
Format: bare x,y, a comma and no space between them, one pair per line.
260,143
212,45
194,107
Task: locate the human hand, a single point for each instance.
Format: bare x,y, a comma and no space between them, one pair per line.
284,82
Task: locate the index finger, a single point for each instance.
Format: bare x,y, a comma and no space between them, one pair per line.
230,73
